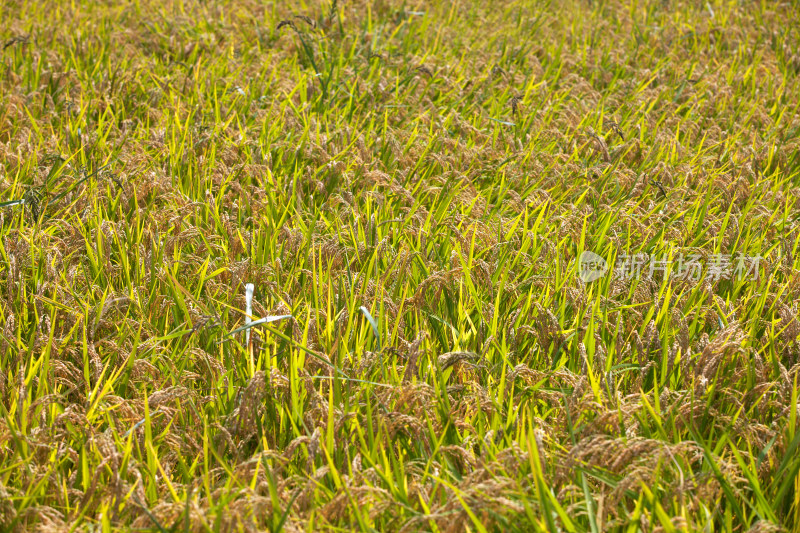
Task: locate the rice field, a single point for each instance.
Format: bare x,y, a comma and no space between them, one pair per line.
383,265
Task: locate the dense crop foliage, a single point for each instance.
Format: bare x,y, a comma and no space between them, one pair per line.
408,187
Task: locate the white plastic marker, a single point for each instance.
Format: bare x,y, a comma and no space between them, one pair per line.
248,296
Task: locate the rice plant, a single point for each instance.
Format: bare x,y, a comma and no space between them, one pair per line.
322,266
